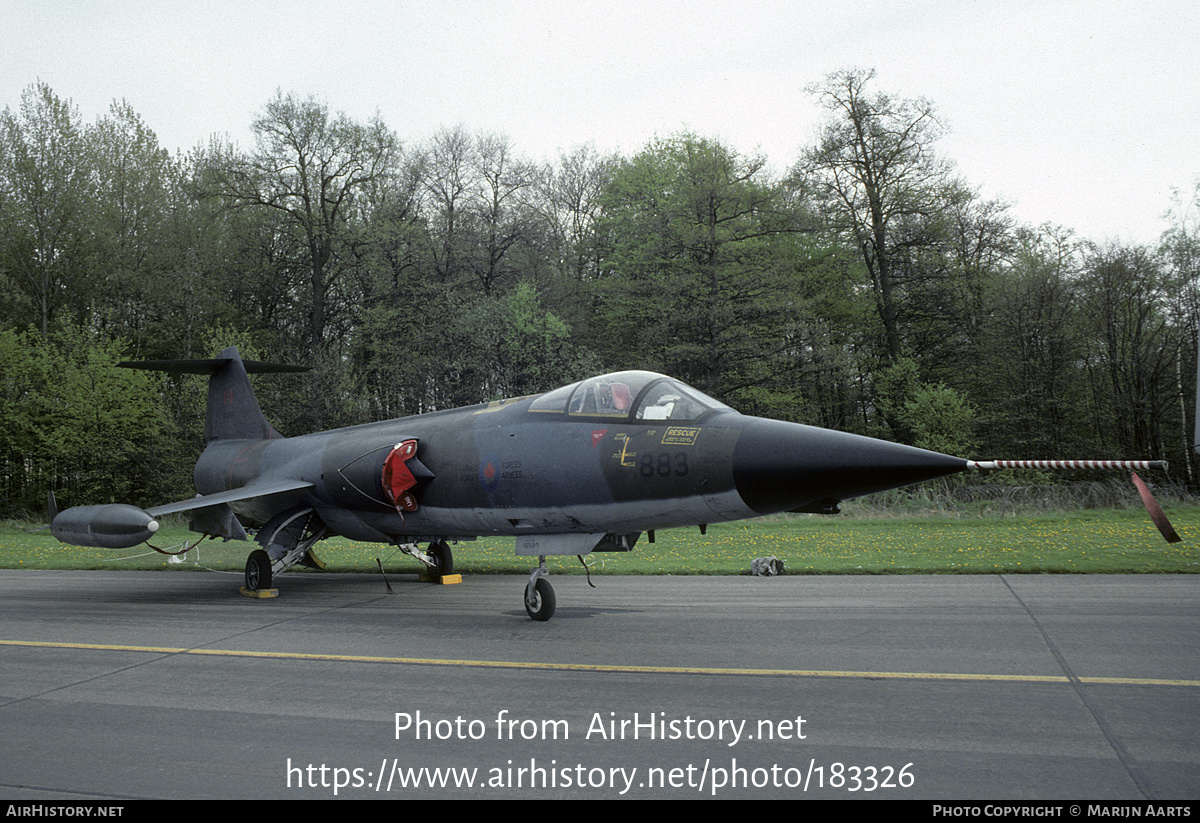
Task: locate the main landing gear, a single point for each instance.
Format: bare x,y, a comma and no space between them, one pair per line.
258,571
438,560
295,534
286,540
539,594
443,559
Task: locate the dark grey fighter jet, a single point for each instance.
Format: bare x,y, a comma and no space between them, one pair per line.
585,468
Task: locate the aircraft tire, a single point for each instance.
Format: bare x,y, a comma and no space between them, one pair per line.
539,603
258,571
443,558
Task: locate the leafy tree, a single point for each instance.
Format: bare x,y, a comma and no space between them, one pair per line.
78,425
460,348
44,179
942,263
570,200
696,266
241,269
533,351
24,471
941,420
895,386
828,360
134,255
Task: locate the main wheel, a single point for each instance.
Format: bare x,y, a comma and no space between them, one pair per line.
539,601
258,571
443,558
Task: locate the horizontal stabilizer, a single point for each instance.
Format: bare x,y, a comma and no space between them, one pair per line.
233,412
210,366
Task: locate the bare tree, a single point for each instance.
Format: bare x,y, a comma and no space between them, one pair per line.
309,166
503,179
570,202
1180,246
874,168
477,189
1131,306
448,163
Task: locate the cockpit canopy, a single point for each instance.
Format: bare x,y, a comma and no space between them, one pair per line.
628,395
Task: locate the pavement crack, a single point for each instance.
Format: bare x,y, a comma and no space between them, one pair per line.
1114,741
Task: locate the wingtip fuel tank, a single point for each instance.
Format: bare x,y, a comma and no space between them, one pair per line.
111,526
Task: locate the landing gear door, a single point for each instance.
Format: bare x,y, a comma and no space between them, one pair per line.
541,545
538,545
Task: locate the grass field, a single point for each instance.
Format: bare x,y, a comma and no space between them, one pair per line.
1089,541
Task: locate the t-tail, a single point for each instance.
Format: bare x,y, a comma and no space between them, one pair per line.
233,411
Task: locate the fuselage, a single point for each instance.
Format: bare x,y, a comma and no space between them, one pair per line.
621,453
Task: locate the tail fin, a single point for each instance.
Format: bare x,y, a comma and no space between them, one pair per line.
233,410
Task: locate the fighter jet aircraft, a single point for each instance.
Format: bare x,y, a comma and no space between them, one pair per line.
585,468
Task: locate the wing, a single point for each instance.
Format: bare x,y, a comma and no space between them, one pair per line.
212,514
204,501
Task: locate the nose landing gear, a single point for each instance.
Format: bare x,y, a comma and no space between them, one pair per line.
539,594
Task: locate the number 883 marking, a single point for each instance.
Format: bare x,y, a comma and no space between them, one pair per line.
664,465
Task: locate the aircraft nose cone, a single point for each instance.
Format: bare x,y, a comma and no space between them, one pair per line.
780,466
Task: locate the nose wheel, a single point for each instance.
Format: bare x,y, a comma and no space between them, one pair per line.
539,594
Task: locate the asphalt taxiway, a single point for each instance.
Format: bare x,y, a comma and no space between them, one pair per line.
119,685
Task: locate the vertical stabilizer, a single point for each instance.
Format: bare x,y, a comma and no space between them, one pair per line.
233,411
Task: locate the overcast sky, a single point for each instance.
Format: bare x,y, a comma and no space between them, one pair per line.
1084,113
